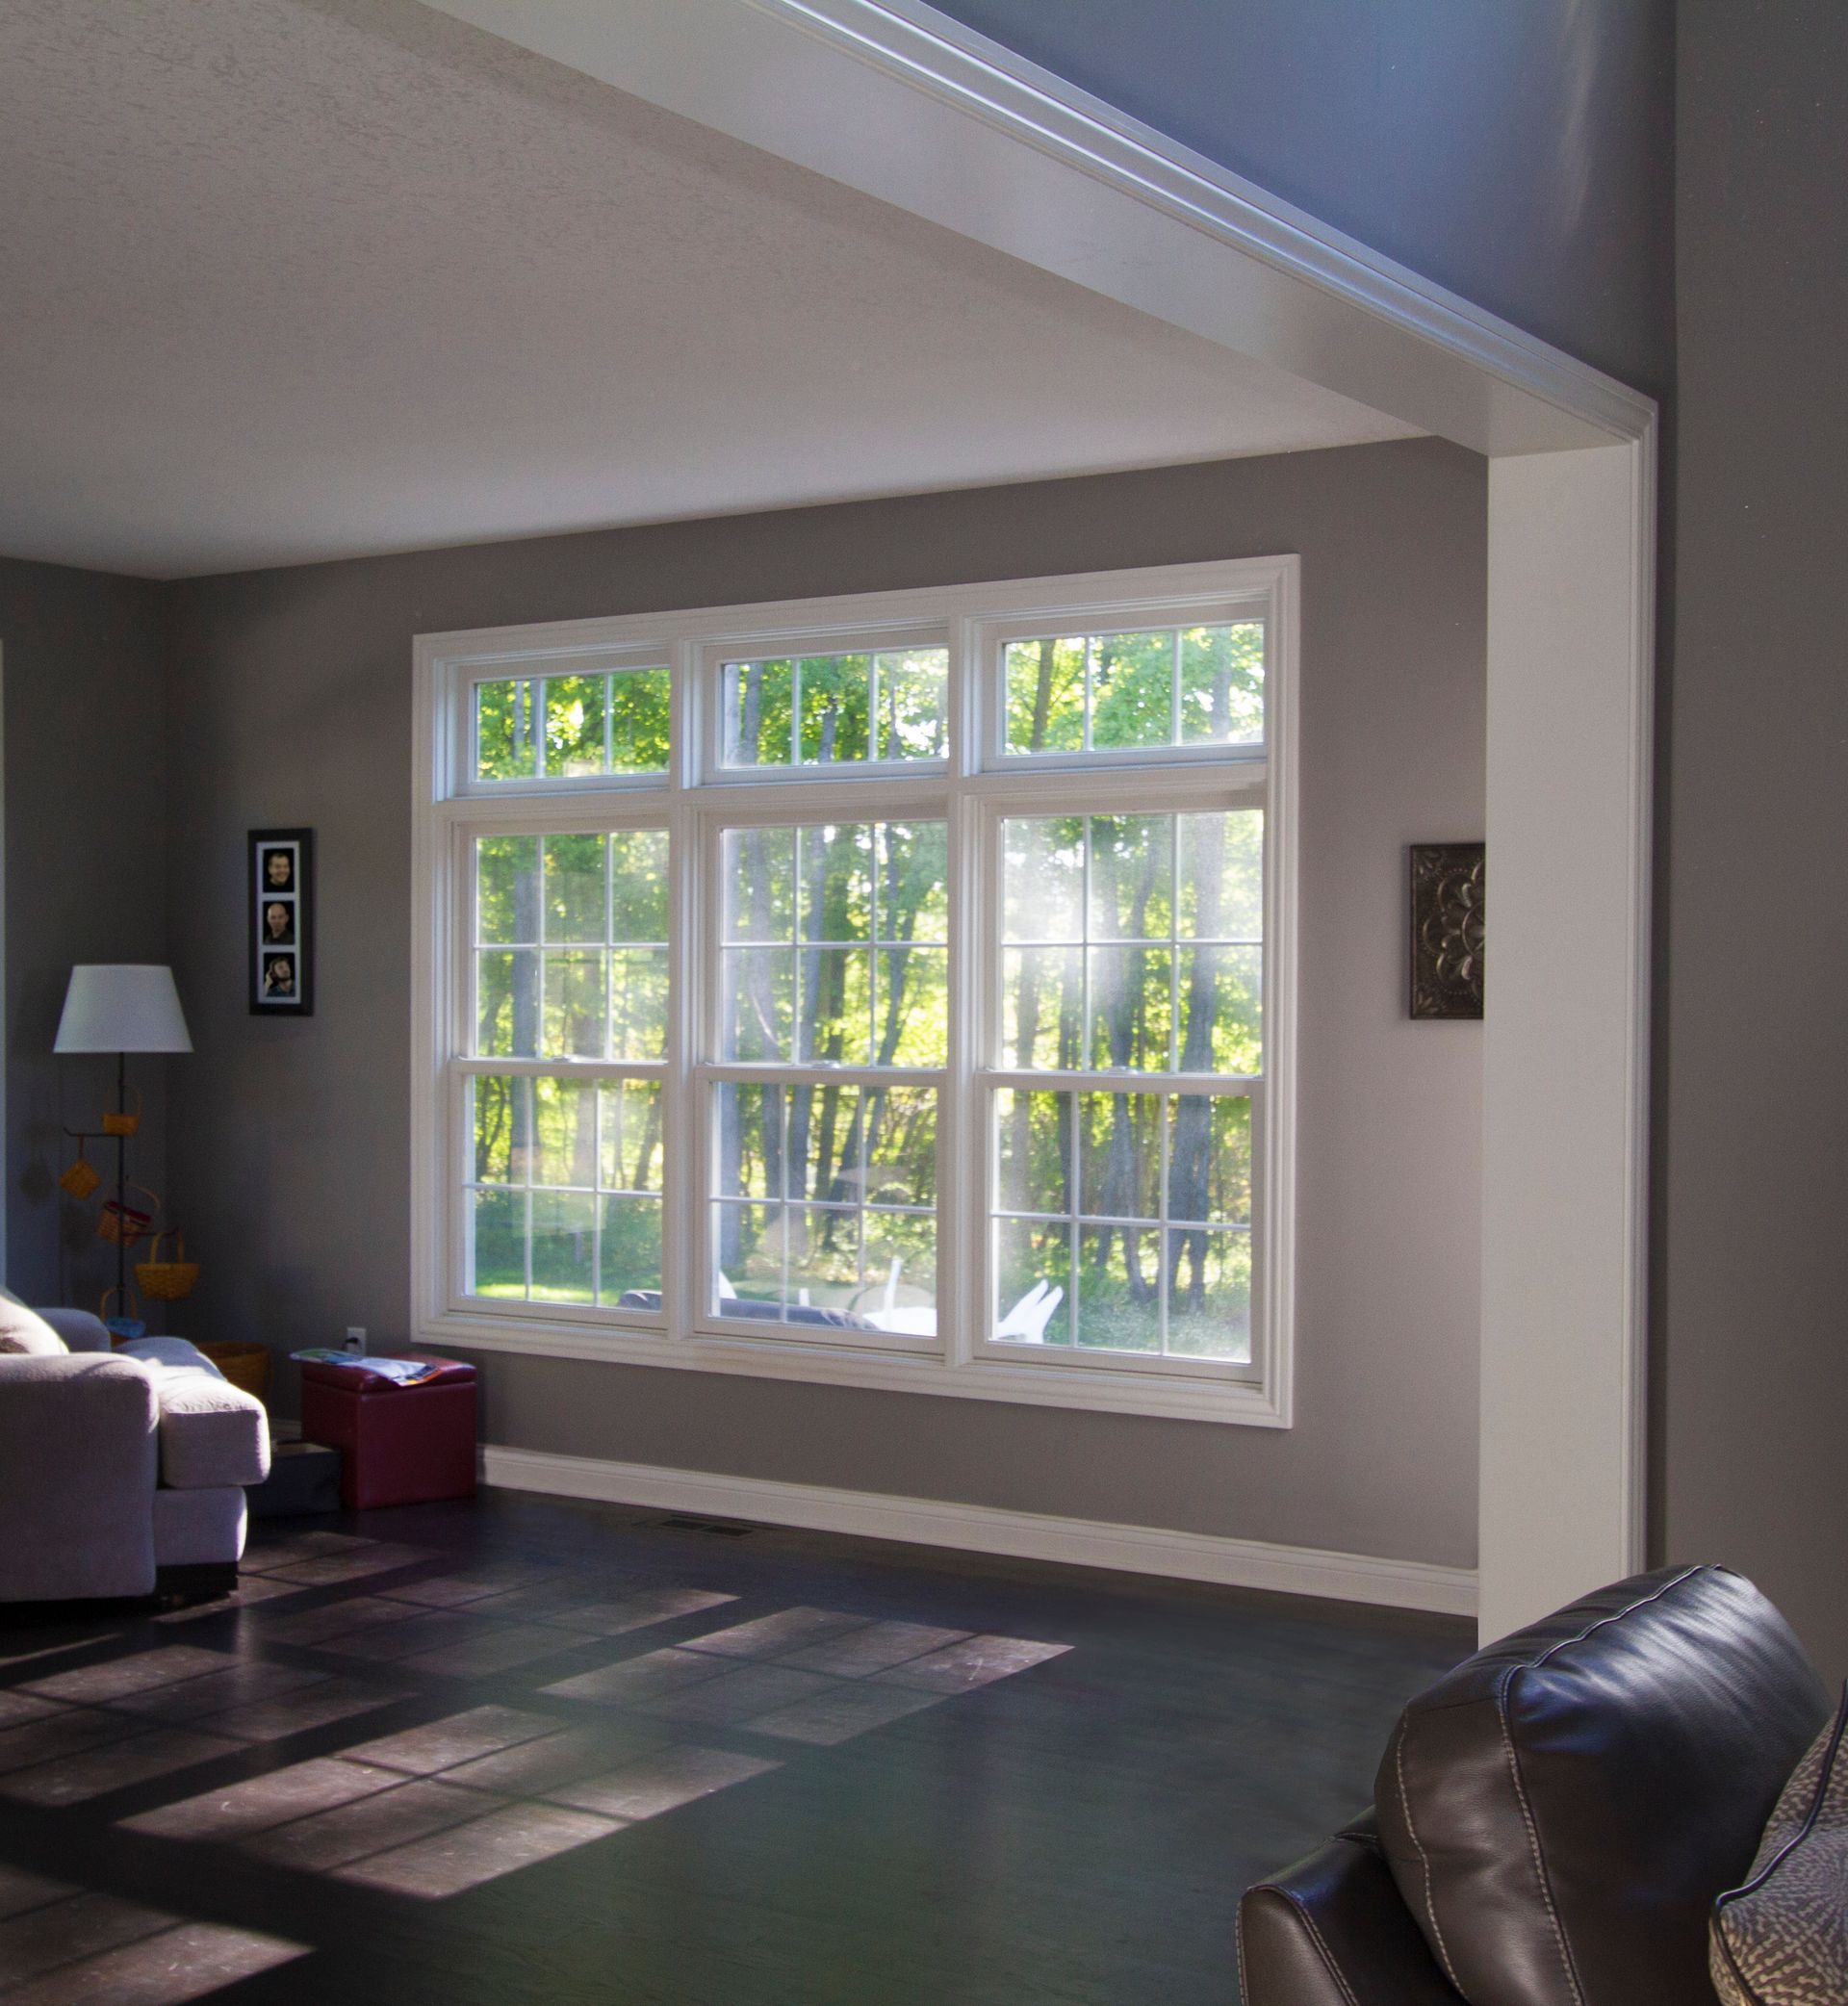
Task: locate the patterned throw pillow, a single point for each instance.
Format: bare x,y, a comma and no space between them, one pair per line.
22,1330
1782,1940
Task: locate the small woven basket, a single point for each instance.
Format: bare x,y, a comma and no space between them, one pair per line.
127,1223
81,1178
167,1282
244,1365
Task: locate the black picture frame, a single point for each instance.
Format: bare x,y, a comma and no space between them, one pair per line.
1448,908
279,901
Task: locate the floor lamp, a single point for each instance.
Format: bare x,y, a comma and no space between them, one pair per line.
121,1008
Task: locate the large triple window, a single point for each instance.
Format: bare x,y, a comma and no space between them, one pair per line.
894,990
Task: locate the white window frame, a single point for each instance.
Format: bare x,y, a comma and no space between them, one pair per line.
980,783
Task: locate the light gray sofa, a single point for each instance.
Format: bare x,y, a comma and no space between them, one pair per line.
121,1470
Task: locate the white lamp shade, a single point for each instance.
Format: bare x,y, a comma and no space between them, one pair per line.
121,1007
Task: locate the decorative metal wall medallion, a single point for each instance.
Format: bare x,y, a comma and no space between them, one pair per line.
1446,930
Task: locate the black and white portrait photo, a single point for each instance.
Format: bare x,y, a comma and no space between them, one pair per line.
281,871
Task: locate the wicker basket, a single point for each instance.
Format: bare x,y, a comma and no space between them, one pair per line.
81,1178
127,1323
125,1121
128,1224
242,1364
167,1282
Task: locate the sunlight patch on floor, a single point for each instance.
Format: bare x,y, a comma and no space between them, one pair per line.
429,1810
65,1946
466,1856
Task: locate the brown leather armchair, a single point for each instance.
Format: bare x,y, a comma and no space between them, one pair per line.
1553,1819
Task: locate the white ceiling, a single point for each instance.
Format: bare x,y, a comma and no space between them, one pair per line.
294,279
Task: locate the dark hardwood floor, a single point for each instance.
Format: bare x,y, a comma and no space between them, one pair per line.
536,1751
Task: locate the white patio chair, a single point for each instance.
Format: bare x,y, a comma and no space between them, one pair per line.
1025,1324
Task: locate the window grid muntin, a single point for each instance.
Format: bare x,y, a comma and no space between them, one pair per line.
1077,1216
530,683
797,765
1092,623
527,1188
799,809
705,660
877,945
544,949
789,1199
1174,944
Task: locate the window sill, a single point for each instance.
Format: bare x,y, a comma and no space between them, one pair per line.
1114,1391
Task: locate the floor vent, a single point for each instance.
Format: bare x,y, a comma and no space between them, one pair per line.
725,1528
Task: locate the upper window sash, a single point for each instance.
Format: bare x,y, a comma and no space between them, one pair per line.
832,704
563,721
1124,684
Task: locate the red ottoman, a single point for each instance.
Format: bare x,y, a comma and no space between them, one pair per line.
398,1444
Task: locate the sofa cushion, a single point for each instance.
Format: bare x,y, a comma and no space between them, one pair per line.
1560,1811
212,1432
25,1332
1782,1940
168,1350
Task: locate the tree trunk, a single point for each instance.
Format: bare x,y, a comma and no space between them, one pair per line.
1027,1006
813,926
1127,1021
1190,1161
527,977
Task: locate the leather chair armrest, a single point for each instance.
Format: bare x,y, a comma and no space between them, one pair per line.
1333,1931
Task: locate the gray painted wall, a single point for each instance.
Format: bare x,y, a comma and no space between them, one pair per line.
86,832
1518,151
292,702
1752,1386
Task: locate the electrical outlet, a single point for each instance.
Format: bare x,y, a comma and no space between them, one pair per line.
356,1340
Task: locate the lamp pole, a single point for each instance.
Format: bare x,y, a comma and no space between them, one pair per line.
122,1185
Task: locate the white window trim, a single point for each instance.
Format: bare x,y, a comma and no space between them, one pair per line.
446,803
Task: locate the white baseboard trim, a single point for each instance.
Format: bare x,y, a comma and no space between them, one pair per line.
983,1528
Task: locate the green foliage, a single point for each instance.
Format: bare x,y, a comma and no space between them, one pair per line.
839,934
844,1182
1157,1190
589,977
573,727
640,706
834,709
505,732
1159,968
1131,944
1112,692
581,1165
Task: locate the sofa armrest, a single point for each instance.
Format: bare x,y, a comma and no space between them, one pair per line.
80,1329
1333,1931
77,1465
213,1433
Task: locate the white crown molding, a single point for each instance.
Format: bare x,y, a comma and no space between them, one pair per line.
982,1529
893,98
935,53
